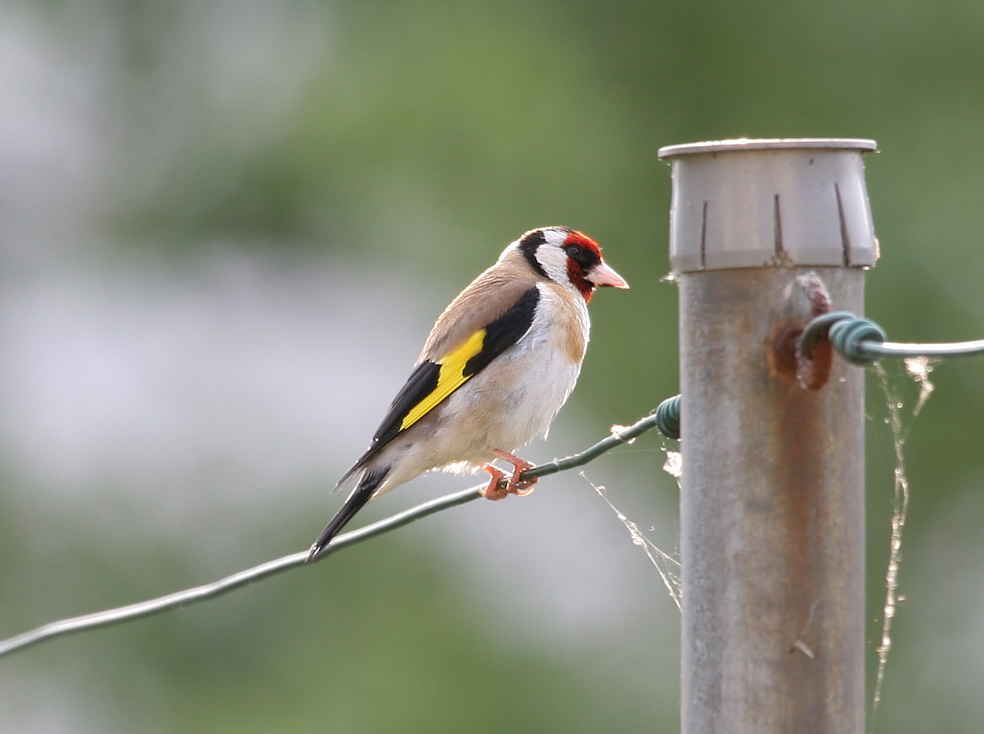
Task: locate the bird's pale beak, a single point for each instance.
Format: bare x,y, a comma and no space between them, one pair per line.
601,274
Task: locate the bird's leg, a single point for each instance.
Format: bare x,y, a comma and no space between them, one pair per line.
517,486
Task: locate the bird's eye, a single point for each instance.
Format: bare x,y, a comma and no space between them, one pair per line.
573,251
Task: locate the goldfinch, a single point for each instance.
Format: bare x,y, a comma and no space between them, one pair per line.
495,370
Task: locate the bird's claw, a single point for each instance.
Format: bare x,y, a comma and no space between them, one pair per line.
499,486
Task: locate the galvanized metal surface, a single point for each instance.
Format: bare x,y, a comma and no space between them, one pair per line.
772,502
772,515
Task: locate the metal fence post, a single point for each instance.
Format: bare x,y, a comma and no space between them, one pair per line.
765,234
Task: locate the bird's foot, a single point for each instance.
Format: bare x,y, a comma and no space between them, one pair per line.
514,485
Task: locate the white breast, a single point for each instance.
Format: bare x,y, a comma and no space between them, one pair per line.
510,402
517,396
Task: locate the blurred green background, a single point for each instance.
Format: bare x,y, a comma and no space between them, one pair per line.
225,228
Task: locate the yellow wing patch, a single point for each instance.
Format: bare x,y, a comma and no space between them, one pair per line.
450,378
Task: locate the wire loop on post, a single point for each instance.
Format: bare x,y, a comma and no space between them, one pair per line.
668,417
850,335
861,341
818,327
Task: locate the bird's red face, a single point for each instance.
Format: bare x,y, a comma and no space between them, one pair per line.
586,270
569,258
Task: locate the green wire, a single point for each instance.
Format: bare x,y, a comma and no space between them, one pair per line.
181,599
861,341
904,349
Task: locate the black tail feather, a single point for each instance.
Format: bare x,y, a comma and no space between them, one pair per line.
356,501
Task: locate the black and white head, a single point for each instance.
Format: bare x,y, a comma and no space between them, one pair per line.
567,257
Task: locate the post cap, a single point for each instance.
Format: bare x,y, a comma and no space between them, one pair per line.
770,203
719,146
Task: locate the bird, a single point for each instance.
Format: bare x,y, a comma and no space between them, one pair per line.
497,367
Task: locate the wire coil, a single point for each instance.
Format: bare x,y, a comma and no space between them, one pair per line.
861,341
668,417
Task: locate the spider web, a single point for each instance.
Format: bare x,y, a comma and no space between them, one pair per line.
918,369
667,565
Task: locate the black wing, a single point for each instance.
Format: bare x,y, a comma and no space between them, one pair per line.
431,383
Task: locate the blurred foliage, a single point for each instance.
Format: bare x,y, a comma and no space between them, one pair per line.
423,137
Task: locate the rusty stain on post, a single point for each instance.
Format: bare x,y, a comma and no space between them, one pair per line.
788,360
